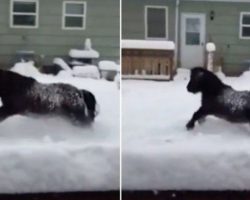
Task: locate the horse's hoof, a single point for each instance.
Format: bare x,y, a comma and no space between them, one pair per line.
189,125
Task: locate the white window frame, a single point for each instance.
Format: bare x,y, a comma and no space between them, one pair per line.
12,13
242,25
84,16
146,22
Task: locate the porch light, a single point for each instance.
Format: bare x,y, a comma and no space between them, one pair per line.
212,14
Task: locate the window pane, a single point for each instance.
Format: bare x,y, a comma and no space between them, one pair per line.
75,9
246,31
193,25
24,20
29,7
246,19
74,22
192,38
156,22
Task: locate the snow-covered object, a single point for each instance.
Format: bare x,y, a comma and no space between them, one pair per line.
210,47
87,52
148,44
88,44
162,155
64,74
48,154
117,80
26,69
62,64
79,53
108,65
86,71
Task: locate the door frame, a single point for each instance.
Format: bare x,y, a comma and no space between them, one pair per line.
182,33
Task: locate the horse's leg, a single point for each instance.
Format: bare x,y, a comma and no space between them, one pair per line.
200,114
5,112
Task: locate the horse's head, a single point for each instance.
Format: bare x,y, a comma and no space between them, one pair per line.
202,80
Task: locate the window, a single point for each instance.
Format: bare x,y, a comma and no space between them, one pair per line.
24,14
156,22
245,25
74,15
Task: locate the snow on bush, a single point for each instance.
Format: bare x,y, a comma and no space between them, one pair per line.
62,64
26,69
86,71
108,65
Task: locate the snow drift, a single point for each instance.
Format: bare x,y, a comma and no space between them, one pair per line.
47,154
160,154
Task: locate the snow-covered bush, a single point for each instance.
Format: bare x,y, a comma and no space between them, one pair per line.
87,71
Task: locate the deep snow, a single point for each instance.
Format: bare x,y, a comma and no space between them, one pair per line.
160,154
42,154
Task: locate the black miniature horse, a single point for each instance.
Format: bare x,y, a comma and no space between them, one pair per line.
24,95
218,99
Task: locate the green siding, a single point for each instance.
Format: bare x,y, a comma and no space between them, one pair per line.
223,30
49,39
133,26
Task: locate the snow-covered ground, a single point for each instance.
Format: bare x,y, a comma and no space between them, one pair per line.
160,154
50,154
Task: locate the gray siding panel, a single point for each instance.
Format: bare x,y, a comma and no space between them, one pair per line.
224,31
133,17
102,26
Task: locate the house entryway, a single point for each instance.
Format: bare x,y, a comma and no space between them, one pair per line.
192,39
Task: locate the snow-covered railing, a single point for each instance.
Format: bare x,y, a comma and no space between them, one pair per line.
143,59
148,44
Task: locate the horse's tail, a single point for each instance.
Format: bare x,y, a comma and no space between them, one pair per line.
91,104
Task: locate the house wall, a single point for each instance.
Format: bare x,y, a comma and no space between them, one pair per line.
224,31
133,26
49,40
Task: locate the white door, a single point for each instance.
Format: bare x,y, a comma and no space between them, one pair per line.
192,39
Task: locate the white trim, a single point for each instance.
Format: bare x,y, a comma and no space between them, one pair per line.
241,26
146,24
36,14
84,15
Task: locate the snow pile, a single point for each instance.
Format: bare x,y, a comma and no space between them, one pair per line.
26,69
148,44
210,47
160,154
86,71
79,53
62,64
49,154
88,52
117,79
108,65
182,74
